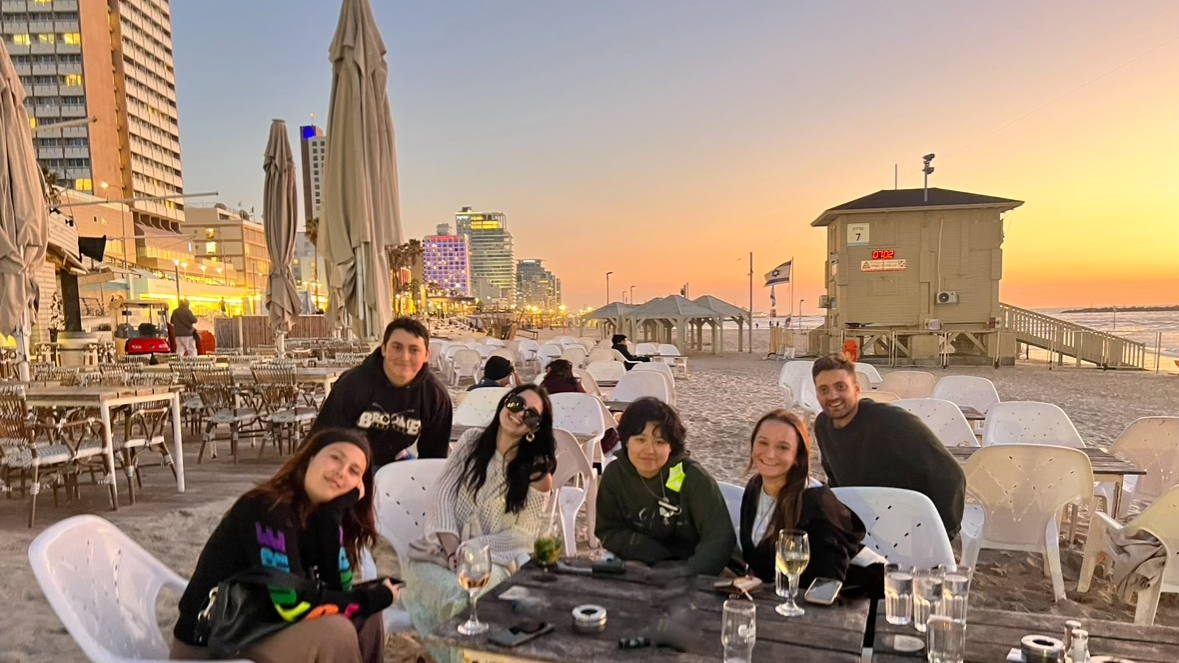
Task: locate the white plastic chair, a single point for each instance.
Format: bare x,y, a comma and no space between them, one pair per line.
493,342
588,343
588,383
437,348
505,353
793,375
484,350
943,418
967,391
586,418
477,410
549,352
879,396
529,351
669,350
637,384
103,587
600,354
658,368
733,495
864,381
1160,520
607,371
646,349
447,363
809,399
567,341
871,372
466,364
903,525
1029,422
909,384
576,355
1151,443
1018,493
402,499
570,491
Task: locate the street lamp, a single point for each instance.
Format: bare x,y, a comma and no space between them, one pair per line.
176,265
608,287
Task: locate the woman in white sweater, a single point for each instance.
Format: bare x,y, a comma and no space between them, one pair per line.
492,491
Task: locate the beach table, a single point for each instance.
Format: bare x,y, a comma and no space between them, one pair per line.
104,399
832,634
1106,468
991,634
972,414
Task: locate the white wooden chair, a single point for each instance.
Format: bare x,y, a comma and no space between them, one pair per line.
402,500
909,384
968,391
1018,493
104,588
477,410
1029,422
903,525
1160,520
637,384
943,418
571,484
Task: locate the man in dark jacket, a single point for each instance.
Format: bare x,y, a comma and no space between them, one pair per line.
618,342
863,443
393,398
184,328
497,372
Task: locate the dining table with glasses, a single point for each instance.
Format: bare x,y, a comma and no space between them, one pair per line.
1107,467
105,399
640,613
992,634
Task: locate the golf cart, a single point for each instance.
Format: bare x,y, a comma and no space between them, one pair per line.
141,328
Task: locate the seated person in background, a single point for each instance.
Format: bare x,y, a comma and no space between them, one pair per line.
783,496
310,521
492,491
497,372
618,342
559,378
657,505
863,443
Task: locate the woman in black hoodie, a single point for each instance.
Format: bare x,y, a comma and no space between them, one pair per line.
783,496
308,525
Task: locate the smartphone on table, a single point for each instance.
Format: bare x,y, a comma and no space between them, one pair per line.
520,633
823,591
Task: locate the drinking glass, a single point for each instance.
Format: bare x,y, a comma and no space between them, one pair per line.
955,594
927,594
945,640
549,542
794,553
898,594
739,630
474,572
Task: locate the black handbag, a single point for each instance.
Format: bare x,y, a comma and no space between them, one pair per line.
240,611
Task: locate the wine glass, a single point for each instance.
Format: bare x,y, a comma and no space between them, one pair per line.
474,572
794,553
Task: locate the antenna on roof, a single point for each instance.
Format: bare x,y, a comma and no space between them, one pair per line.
928,170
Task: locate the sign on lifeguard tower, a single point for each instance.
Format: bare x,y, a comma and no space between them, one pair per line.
857,234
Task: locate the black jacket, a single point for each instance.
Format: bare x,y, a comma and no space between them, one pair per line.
257,533
834,532
393,418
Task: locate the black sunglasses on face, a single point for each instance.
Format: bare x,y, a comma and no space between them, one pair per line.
532,417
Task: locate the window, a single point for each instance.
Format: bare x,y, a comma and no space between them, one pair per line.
72,39
47,39
74,79
210,233
84,184
22,40
32,123
210,247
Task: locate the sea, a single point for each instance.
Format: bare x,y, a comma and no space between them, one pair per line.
1157,330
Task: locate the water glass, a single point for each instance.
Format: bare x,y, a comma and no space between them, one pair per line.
927,594
945,640
739,630
898,594
955,594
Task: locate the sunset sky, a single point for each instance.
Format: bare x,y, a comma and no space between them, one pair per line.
665,140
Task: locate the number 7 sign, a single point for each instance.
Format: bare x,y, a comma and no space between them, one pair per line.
857,234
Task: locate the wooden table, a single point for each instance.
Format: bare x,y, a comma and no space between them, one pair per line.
824,634
972,414
105,398
990,634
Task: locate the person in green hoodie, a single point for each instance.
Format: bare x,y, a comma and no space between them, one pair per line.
657,505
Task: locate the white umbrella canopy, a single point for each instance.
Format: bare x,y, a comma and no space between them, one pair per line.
24,212
361,207
278,211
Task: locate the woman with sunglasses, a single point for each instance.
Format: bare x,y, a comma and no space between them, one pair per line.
492,492
657,505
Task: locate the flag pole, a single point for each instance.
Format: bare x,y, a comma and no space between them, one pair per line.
751,301
792,290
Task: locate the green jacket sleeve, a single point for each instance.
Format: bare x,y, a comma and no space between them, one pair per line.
613,524
710,517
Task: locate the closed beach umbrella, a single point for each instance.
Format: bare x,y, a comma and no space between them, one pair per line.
361,209
24,213
278,212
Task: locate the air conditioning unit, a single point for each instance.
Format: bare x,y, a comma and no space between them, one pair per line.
826,301
947,297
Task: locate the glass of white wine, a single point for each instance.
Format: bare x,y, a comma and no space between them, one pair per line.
474,572
794,553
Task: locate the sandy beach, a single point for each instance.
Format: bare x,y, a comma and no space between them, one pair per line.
721,399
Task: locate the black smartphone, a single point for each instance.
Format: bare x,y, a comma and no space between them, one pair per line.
520,633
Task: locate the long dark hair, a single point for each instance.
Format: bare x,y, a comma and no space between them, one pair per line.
533,457
788,503
286,487
560,371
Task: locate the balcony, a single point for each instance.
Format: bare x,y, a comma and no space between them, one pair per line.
44,91
48,69
71,90
73,111
67,26
17,6
41,27
77,153
67,67
65,5
50,153
14,27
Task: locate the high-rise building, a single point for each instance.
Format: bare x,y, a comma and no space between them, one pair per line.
536,286
493,263
220,235
310,272
110,60
445,263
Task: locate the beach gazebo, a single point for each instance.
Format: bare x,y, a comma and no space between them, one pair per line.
729,312
661,316
617,318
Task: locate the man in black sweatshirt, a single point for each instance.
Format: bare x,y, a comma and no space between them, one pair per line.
393,397
864,443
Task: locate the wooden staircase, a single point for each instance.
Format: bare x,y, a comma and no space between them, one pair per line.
1061,338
